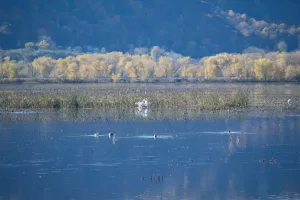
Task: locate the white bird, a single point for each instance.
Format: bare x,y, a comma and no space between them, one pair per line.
144,103
155,136
290,101
110,135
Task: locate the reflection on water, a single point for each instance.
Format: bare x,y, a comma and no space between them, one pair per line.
241,155
144,112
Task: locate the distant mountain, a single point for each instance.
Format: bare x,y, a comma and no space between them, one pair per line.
195,28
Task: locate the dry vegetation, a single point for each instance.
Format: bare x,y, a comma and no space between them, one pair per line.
174,99
156,64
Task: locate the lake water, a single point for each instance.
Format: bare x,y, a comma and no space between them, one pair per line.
189,159
46,155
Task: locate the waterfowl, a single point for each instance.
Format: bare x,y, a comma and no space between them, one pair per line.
144,103
96,134
110,135
272,161
262,160
155,136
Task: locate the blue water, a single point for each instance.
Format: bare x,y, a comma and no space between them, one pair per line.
189,159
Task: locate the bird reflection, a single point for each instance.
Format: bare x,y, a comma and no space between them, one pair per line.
143,112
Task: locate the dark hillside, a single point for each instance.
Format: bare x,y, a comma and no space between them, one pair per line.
189,27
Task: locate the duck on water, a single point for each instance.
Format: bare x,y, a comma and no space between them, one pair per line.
110,135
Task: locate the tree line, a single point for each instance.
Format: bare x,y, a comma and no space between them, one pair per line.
157,63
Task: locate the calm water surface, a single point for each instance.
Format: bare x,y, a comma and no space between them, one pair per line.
189,159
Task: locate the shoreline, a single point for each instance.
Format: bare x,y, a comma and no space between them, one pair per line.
137,81
133,114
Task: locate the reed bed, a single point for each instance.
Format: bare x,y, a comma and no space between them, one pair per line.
174,99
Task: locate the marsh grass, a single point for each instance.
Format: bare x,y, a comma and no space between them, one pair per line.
123,99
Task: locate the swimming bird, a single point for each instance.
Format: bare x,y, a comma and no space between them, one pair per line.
262,160
110,135
96,134
273,159
155,136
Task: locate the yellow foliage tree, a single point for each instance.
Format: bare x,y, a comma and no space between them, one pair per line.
102,68
2,69
210,71
120,65
290,72
72,71
149,64
236,69
165,67
84,72
190,71
87,73
44,65
12,70
115,77
131,70
261,67
60,71
9,68
276,72
143,71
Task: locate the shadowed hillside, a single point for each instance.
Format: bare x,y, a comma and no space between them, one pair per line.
194,28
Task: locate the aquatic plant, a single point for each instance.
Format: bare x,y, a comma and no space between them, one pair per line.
185,99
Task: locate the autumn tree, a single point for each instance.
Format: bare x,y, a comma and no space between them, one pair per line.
183,63
160,70
29,45
290,72
87,72
44,65
261,67
190,71
60,71
115,77
149,64
72,71
142,70
211,70
102,69
247,63
120,66
9,68
276,72
236,69
12,70
167,65
2,69
44,44
131,70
